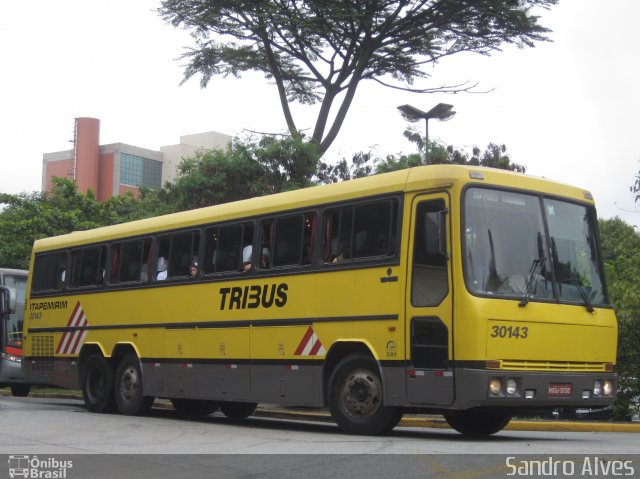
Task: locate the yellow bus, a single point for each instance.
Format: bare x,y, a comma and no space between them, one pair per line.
471,292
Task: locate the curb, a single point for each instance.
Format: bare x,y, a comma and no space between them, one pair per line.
436,422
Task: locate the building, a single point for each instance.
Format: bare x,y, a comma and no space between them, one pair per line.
112,170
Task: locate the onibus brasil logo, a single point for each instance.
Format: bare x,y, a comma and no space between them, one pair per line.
38,468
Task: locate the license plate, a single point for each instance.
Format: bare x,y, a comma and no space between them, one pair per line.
557,390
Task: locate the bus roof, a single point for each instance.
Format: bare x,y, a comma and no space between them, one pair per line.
412,179
19,272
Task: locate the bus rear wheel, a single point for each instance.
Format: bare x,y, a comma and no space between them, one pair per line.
128,388
355,398
96,381
238,410
477,423
20,390
194,407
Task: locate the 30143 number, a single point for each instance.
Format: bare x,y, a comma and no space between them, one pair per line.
517,332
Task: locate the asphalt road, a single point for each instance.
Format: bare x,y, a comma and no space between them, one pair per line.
275,444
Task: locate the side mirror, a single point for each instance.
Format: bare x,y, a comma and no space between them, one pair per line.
7,300
436,232
12,300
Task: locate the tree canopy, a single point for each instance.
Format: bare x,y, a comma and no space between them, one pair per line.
246,168
365,164
30,216
318,51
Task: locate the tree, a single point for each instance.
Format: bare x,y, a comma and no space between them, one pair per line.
635,188
621,254
364,164
30,216
27,217
318,51
246,168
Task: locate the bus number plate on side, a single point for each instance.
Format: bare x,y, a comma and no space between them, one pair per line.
560,390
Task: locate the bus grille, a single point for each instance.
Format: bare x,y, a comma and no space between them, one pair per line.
42,346
551,366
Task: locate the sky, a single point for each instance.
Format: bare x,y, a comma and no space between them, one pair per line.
566,109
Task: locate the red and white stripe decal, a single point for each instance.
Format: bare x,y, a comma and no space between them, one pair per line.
72,340
310,345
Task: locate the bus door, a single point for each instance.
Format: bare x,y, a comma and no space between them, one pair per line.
429,305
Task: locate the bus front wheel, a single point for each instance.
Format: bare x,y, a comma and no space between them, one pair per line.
97,384
128,388
355,398
477,423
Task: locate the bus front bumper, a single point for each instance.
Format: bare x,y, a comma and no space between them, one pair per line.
534,389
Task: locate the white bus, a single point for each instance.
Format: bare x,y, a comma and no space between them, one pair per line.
11,374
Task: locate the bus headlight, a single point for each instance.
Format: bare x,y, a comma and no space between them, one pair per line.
607,388
495,387
12,357
597,388
512,387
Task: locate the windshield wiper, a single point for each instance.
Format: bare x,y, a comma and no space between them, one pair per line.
584,295
531,281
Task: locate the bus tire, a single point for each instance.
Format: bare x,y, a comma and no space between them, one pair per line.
96,381
355,398
129,395
238,410
20,390
194,407
477,423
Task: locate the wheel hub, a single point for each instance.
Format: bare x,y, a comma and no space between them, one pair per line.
129,384
361,394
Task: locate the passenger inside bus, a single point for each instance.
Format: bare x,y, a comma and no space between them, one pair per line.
247,255
162,269
264,258
247,252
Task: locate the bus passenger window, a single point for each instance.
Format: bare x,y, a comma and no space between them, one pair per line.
372,224
337,234
210,250
176,253
224,246
49,272
129,260
360,231
87,267
288,241
308,238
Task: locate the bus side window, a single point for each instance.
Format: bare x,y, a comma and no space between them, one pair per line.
372,224
229,249
87,267
361,231
49,272
224,245
337,234
210,250
309,238
129,261
287,243
179,251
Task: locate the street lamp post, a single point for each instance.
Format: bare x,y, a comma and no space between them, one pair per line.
442,111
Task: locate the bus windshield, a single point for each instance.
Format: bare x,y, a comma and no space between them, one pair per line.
529,247
14,324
